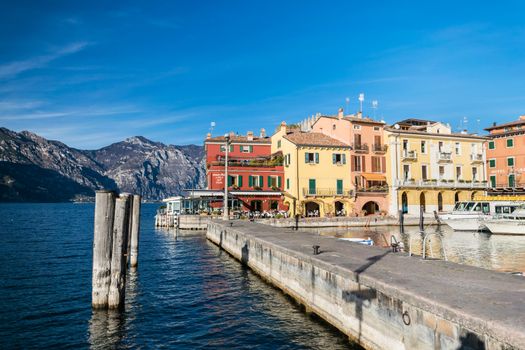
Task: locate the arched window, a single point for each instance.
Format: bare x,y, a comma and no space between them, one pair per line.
404,203
422,201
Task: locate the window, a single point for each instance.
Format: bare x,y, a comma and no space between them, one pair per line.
287,159
311,158
458,172
440,146
423,147
441,171
458,148
492,163
376,164
339,187
338,158
255,181
274,181
493,181
424,174
246,149
510,161
357,140
287,184
377,128
405,145
235,180
278,143
377,141
406,172
510,143
511,180
311,186
223,148
492,145
356,163
333,127
357,127
474,173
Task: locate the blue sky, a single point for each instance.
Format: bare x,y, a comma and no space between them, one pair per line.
92,73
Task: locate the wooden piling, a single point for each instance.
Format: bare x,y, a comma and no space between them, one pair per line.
401,221
102,248
135,232
118,260
421,219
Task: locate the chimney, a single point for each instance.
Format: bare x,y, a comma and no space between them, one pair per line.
493,123
249,135
208,136
522,117
283,126
340,113
359,115
232,134
263,133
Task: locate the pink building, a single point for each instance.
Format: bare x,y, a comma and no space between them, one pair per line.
368,157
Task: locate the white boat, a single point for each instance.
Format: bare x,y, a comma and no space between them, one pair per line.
364,241
471,215
508,224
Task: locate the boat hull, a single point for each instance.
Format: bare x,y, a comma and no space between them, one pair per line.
505,227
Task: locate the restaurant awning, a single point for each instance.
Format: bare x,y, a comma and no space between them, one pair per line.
373,177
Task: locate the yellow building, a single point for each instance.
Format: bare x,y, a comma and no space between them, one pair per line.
430,167
317,179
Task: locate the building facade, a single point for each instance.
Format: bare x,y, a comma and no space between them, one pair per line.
431,168
316,177
255,176
506,157
367,162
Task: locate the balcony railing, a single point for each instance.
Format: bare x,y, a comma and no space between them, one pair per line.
377,148
409,155
360,147
442,183
327,192
372,189
444,157
476,158
248,163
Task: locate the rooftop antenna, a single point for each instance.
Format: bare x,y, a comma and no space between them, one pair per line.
347,104
375,104
361,99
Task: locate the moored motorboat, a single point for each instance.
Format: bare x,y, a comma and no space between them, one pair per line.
508,224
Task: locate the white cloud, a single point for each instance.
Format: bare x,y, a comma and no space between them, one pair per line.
14,68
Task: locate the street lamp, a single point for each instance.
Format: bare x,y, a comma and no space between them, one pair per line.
225,214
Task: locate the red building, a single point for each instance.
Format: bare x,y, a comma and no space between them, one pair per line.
255,176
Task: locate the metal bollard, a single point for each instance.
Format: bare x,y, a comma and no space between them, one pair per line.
316,249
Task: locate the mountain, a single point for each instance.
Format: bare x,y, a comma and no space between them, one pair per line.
35,169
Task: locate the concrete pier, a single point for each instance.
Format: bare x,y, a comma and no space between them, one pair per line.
380,299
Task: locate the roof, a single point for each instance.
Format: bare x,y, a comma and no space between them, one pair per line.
313,139
352,119
416,122
504,125
417,132
240,139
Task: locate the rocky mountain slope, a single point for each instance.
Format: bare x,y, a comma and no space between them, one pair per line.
135,165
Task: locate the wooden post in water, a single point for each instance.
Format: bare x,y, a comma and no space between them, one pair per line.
401,221
130,225
102,248
421,219
135,232
117,286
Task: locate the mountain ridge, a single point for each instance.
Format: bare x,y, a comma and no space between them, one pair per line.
136,165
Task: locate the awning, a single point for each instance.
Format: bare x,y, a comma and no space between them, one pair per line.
374,177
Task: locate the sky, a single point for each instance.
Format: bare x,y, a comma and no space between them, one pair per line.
91,73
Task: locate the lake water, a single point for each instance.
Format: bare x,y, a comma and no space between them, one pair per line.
495,252
186,293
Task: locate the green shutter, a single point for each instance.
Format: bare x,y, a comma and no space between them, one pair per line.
279,181
344,158
230,180
250,181
311,186
231,148
239,180
492,145
511,181
261,181
316,158
287,184
510,161
492,163
334,158
339,186
269,181
493,181
306,157
251,149
510,142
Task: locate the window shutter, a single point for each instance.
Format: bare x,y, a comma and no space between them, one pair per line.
261,181
279,181
230,180
333,158
269,181
383,164
344,158
231,148
352,160
363,164
306,157
251,149
316,158
239,180
250,181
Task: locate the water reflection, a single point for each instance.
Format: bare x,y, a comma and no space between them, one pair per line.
494,252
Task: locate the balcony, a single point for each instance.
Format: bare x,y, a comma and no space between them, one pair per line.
444,157
327,192
442,183
360,147
476,158
249,163
408,155
373,189
379,148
